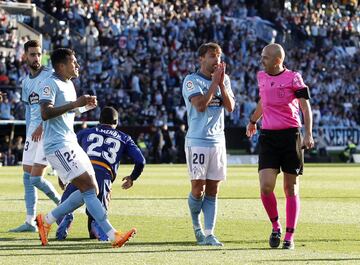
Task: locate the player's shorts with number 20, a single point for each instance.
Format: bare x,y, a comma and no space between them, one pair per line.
206,162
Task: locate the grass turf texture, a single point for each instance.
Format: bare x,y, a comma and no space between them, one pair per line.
328,230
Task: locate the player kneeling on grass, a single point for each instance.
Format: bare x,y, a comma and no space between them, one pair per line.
105,147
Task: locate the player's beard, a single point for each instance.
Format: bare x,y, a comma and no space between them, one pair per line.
35,66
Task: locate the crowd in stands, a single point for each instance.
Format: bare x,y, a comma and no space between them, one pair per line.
7,30
136,54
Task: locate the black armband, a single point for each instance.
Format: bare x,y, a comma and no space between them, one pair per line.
303,93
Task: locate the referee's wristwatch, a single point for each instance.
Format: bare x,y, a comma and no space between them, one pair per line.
252,122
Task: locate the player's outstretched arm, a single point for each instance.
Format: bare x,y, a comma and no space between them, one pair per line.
48,111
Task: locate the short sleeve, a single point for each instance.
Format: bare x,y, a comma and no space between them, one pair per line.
298,82
47,92
191,88
24,95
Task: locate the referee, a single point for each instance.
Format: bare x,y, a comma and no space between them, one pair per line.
282,94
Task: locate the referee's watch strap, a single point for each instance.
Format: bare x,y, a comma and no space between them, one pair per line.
252,122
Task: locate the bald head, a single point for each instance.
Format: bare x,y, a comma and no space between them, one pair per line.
272,58
275,51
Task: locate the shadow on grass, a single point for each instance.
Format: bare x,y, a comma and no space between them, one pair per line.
80,244
221,198
91,249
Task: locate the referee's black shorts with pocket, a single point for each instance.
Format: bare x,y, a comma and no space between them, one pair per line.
281,149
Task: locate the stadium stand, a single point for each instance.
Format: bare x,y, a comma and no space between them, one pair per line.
135,54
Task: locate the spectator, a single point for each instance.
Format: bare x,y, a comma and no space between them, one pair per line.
167,152
157,142
5,109
17,150
180,143
153,46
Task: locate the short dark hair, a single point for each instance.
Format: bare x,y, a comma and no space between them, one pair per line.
61,55
31,44
204,48
109,115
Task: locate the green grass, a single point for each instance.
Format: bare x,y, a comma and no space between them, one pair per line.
328,230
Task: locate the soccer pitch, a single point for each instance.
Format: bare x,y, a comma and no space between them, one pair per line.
328,230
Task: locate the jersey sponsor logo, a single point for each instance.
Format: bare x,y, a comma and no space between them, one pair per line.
189,86
33,98
215,102
46,91
281,92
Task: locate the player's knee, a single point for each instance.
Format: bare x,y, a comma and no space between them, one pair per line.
266,189
27,168
197,193
290,190
213,191
37,170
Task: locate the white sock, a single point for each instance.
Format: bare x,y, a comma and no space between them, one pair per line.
50,219
111,234
208,232
30,219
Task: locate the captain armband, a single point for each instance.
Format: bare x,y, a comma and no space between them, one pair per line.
303,93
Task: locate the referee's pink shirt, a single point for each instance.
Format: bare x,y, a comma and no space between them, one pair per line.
280,107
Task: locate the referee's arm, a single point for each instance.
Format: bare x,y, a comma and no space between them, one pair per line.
251,127
307,114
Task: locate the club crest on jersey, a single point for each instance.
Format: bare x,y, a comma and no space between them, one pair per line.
281,92
189,85
33,98
46,91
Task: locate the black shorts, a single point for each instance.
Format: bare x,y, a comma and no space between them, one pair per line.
281,149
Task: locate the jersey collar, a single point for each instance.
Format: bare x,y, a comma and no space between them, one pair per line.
37,73
278,73
203,76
